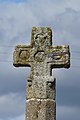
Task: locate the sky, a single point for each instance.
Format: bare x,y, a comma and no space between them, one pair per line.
12,1
17,17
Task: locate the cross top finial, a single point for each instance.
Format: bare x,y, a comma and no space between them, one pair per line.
41,37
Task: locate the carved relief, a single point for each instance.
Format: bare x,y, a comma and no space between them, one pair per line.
41,37
24,54
39,56
60,56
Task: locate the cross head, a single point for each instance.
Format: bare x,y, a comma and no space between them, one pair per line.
41,56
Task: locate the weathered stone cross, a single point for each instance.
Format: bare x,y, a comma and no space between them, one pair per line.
42,58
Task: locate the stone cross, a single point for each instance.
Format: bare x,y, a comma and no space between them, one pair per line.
42,57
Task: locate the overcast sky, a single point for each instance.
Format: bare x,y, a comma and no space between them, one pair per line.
16,20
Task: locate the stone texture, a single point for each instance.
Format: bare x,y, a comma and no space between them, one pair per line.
41,87
42,57
40,109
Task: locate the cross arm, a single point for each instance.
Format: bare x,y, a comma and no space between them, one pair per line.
59,56
21,56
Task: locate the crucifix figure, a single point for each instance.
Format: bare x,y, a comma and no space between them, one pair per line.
42,57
